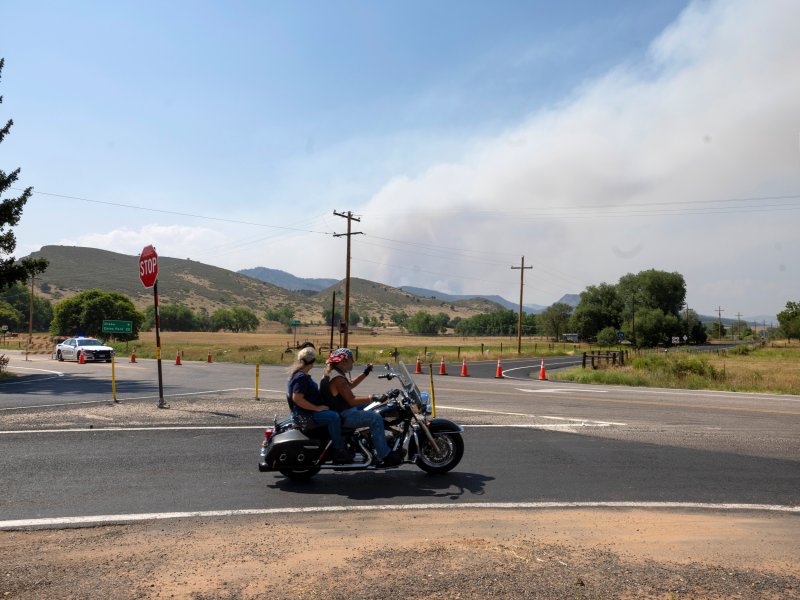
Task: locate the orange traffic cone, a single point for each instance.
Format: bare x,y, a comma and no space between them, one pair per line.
418,369
542,374
499,373
464,372
133,356
208,358
442,368
178,358
82,358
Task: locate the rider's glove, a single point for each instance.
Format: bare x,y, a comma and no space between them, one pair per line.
368,370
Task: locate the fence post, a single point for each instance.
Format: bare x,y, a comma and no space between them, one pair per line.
583,362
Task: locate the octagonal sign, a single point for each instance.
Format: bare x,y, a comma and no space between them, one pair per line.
148,267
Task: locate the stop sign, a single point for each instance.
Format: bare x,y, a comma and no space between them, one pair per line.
148,266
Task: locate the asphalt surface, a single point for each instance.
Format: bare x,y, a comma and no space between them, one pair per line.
526,441
112,472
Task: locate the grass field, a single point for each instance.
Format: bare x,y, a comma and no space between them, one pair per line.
774,368
771,369
271,348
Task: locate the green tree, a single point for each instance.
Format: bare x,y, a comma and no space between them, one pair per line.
607,336
244,319
12,271
222,318
423,323
600,307
789,319
399,318
653,289
354,318
553,321
174,317
84,314
718,330
19,296
338,316
10,316
284,315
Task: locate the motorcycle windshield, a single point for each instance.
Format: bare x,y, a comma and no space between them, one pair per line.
408,383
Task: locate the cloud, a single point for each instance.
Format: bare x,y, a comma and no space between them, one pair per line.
649,157
169,240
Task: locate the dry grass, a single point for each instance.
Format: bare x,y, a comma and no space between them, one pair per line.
271,347
771,369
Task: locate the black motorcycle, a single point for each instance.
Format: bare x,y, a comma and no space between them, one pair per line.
434,445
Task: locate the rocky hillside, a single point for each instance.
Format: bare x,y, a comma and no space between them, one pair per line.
201,286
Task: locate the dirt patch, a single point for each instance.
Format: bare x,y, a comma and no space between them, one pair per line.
404,554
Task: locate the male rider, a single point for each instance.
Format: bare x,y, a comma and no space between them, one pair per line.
337,393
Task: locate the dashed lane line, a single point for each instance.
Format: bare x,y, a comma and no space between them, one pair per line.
90,520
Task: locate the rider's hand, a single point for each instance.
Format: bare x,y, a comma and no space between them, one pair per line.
368,370
321,407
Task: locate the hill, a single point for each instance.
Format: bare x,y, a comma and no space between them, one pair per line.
200,286
377,299
180,281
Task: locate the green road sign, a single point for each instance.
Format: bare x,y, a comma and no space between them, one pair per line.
117,326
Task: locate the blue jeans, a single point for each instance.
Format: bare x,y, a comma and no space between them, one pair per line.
355,417
329,419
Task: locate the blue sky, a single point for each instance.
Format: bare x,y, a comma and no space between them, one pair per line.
596,139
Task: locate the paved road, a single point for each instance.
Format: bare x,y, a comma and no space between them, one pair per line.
97,473
42,381
633,444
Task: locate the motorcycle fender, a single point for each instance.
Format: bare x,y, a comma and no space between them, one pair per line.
444,425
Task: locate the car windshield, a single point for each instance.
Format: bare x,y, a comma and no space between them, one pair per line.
89,342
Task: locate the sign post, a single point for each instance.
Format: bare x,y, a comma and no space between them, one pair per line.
148,275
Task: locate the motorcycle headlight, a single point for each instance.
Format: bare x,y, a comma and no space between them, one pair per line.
426,402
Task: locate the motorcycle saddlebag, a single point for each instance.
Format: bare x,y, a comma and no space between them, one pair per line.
292,449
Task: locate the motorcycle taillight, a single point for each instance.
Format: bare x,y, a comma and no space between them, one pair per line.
268,433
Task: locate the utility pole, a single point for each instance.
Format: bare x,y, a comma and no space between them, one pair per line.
521,268
350,218
30,320
739,325
719,320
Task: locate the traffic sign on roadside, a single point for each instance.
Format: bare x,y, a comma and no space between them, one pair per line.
148,267
110,326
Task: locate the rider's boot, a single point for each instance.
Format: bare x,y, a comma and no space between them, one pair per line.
343,456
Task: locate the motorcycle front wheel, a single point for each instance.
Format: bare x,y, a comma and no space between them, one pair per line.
451,449
300,474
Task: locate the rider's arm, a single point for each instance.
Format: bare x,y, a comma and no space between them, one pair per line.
361,377
341,387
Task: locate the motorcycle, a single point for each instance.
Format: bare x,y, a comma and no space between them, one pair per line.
434,445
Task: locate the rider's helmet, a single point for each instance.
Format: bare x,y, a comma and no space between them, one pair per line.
339,355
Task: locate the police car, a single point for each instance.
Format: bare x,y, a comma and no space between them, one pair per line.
91,348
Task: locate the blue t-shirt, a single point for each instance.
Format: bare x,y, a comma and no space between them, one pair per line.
302,383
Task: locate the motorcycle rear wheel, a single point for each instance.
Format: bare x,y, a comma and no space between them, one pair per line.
451,449
300,474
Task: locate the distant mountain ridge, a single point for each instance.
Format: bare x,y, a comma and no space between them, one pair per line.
426,293
287,280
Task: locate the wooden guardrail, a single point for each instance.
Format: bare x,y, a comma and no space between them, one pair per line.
596,357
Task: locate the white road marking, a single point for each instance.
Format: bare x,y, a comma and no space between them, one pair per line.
586,422
132,517
125,398
557,390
